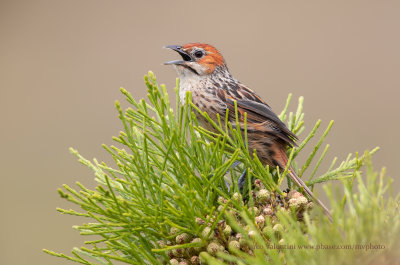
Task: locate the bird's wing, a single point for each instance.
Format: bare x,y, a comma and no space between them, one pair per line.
258,112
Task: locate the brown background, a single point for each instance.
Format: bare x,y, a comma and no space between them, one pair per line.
62,63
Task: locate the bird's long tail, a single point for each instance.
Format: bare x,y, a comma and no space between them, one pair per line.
299,182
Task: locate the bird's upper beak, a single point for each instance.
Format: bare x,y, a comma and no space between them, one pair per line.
185,56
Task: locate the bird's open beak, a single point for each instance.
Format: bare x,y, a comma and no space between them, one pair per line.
185,56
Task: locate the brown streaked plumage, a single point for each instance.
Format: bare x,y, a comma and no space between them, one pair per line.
203,71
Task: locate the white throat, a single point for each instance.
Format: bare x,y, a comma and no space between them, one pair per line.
189,81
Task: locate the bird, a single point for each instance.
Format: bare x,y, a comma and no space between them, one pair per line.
204,72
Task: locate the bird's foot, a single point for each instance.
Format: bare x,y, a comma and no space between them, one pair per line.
242,180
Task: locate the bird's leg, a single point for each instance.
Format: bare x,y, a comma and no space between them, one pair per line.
242,180
234,164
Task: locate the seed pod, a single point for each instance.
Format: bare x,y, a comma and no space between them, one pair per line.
268,232
237,197
174,262
256,210
220,208
200,221
262,196
196,240
178,252
161,243
227,231
184,262
293,203
258,184
299,202
183,238
201,257
233,245
173,231
260,221
278,228
267,211
221,224
222,200
206,233
294,194
252,234
302,201
210,218
213,248
194,260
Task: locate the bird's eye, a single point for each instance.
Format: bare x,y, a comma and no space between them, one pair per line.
198,54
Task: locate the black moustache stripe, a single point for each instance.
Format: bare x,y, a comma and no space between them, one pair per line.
191,69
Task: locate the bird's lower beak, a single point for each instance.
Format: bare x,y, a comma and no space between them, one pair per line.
185,56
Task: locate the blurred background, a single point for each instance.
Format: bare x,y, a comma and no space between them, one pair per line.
62,63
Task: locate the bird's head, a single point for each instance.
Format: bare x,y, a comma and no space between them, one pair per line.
197,59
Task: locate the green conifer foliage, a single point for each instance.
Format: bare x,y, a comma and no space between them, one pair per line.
166,199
